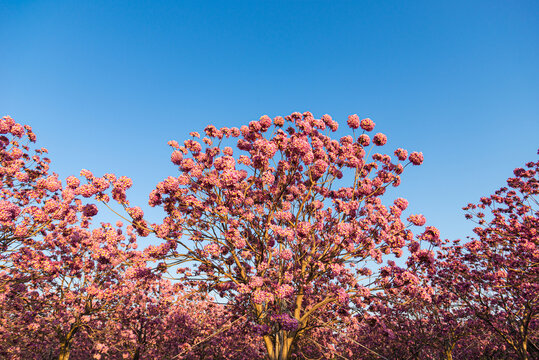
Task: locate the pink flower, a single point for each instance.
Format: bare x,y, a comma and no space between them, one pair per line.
326,119
284,291
413,247
8,211
193,146
89,210
135,212
260,297
154,198
174,144
353,121
346,140
244,145
212,131
364,140
268,178
401,203
301,145
22,176
367,124
72,182
171,184
86,190
416,158
287,323
100,184
256,282
187,164
254,126
431,234
207,141
319,168
286,254
51,183
86,173
17,130
401,154
278,121
265,121
212,249
123,182
176,157
333,125
5,124
418,220
225,131
379,139
224,163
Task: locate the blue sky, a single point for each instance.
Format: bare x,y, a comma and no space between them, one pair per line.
106,84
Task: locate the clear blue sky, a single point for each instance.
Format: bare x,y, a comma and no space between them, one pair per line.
106,84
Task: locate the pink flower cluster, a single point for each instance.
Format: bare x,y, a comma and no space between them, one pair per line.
418,220
367,124
8,211
287,322
261,297
416,158
284,291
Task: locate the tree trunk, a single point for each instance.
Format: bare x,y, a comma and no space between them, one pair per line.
449,351
65,344
65,349
280,347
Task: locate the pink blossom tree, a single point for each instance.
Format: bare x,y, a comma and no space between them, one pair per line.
33,205
55,274
32,200
497,273
159,319
76,278
283,226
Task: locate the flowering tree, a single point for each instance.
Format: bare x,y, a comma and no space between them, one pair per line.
75,278
31,200
497,274
433,327
55,274
157,319
33,204
283,226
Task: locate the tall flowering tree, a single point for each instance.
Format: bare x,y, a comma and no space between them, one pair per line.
56,275
497,273
283,221
33,205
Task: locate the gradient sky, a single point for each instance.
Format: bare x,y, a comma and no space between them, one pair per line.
106,84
